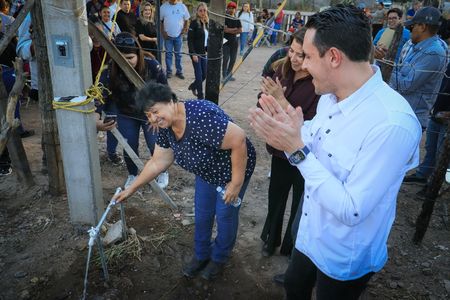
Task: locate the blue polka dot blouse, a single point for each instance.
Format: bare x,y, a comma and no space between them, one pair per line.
198,151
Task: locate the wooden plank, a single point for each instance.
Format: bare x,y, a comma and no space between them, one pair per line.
140,165
215,45
16,150
433,186
115,54
386,69
134,77
50,137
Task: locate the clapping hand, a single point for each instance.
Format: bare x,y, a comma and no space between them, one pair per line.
278,127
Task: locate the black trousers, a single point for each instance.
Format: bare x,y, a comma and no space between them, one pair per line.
283,177
229,57
5,162
302,275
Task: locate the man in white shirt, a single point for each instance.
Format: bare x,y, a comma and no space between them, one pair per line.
174,23
353,155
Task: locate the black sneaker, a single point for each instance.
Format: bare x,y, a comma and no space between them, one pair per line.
192,89
212,270
180,75
192,268
5,171
115,159
414,178
169,75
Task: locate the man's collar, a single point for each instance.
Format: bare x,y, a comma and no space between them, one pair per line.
360,95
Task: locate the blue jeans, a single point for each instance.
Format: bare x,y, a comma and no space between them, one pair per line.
243,41
173,44
130,129
209,204
273,38
200,75
434,138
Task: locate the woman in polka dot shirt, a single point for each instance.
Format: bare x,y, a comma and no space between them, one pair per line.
205,141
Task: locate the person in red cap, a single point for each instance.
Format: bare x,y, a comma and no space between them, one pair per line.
232,28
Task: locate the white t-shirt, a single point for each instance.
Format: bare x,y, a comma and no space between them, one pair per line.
174,17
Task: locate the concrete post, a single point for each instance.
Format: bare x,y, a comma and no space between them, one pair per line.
68,51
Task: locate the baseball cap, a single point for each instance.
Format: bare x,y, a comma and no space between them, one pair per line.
231,5
426,15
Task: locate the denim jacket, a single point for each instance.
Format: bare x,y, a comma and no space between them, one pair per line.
419,73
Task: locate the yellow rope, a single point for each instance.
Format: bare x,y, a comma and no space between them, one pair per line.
95,91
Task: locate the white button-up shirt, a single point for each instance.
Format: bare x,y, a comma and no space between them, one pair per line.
361,148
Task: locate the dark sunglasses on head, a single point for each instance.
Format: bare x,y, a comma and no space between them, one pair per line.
124,40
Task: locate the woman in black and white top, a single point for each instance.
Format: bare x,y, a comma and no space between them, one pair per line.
197,43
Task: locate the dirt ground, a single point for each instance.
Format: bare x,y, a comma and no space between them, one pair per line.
43,256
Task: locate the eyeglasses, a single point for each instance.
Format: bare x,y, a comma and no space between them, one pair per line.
393,18
124,40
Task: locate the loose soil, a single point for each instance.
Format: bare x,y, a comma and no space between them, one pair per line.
43,255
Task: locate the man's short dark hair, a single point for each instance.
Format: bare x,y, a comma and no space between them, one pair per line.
396,10
345,28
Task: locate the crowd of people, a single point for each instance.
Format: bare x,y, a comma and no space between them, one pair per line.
323,110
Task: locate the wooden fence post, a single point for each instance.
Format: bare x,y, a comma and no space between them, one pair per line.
434,185
16,150
50,138
386,69
215,44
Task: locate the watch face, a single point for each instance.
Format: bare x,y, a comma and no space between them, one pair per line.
296,157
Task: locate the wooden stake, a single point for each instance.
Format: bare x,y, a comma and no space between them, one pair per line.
50,138
12,30
134,78
434,185
386,69
16,150
215,45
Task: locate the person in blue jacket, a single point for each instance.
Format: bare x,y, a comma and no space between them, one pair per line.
394,17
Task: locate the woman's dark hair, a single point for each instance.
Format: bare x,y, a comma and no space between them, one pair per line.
153,93
345,28
128,43
285,62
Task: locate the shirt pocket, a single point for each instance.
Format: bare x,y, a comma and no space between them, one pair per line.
310,132
342,158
